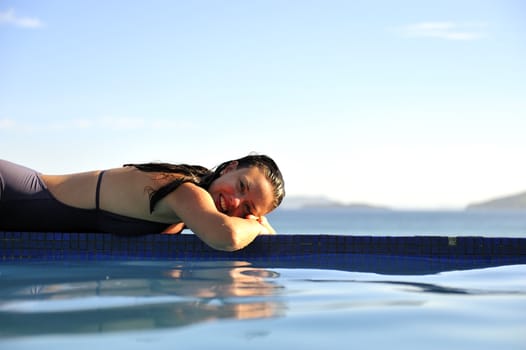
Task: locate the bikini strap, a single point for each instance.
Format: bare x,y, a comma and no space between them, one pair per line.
97,191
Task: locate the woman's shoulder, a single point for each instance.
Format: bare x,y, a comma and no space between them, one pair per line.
132,174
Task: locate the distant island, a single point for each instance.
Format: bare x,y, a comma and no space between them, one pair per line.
321,202
511,202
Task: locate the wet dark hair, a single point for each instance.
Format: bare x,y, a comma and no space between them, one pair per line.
204,177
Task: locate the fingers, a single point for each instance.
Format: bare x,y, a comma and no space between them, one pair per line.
267,229
174,229
264,222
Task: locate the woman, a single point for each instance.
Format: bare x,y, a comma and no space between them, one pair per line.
225,207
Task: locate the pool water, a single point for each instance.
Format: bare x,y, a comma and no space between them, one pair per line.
237,305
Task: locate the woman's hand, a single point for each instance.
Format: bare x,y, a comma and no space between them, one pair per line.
267,229
174,229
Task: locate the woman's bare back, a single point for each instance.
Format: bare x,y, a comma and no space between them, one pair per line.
124,191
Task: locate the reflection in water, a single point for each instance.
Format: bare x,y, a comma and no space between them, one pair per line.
150,297
94,297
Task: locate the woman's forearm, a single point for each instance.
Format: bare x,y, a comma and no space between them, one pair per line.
234,234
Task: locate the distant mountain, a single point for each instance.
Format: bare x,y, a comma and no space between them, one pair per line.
513,202
299,202
296,202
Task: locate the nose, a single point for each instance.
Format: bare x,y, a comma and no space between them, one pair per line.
236,206
235,202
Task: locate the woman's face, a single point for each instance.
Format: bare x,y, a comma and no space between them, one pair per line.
242,192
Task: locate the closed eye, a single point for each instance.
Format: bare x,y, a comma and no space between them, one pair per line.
247,209
243,188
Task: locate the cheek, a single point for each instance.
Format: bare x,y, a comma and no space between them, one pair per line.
215,185
223,184
212,190
269,205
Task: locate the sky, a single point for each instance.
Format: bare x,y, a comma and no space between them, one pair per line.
407,104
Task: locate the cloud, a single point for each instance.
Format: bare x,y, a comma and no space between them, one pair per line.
6,123
98,124
124,123
10,18
105,123
445,30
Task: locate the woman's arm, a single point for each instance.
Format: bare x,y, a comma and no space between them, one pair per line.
195,207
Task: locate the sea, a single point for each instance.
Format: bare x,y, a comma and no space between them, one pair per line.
348,221
189,304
